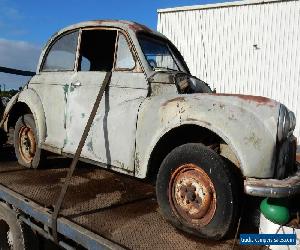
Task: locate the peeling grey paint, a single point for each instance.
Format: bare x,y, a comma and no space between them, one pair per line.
90,146
66,90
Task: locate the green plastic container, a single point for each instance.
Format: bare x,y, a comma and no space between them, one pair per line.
275,210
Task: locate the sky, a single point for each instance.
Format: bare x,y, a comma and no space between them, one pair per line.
25,26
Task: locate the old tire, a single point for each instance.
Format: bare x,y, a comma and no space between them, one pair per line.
197,192
14,234
26,142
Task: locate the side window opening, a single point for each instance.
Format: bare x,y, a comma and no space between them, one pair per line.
97,50
125,59
61,56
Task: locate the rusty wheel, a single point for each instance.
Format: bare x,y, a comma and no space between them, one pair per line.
192,194
27,144
197,192
25,141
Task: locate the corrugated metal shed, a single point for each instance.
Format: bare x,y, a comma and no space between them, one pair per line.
248,47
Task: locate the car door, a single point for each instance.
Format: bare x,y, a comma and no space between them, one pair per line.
111,139
51,84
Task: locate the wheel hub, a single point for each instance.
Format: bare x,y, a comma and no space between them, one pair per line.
27,144
192,195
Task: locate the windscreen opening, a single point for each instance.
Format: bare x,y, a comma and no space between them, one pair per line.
160,54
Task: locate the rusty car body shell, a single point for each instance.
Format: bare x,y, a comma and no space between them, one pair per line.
247,124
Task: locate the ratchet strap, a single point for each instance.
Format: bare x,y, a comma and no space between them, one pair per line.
16,71
71,169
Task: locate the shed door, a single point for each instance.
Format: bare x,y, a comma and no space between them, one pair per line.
111,139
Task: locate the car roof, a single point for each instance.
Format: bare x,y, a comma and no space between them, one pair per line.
122,24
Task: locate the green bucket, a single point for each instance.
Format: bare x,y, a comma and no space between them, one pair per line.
275,210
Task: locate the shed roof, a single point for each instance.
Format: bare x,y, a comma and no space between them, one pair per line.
219,5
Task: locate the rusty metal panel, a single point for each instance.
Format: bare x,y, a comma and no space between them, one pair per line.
248,47
111,139
245,123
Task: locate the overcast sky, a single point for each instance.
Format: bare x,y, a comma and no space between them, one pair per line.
25,26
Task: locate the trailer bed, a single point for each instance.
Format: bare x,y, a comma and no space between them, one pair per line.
119,208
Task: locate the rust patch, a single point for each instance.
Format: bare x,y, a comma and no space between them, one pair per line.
139,27
191,120
111,22
121,164
207,123
222,106
254,140
292,181
176,99
259,100
99,21
131,25
232,117
156,89
181,111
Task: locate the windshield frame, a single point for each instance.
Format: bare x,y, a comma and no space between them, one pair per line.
175,54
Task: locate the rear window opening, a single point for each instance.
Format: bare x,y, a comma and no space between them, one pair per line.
61,55
97,50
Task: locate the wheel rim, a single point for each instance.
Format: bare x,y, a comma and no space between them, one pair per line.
192,195
6,239
27,144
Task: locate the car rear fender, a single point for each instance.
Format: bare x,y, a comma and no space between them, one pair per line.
31,99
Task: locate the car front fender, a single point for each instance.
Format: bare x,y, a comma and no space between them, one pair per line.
248,126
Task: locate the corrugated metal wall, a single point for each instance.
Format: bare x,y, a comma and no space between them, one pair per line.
247,48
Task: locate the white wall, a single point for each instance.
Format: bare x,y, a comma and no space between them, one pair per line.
241,47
